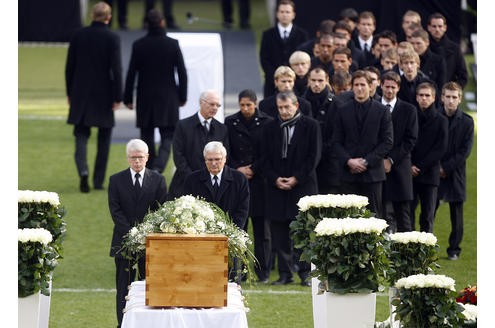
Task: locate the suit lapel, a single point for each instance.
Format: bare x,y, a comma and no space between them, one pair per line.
224,182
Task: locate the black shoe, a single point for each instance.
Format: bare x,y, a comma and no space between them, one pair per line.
83,184
283,281
453,257
263,281
306,283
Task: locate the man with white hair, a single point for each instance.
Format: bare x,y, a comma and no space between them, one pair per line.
191,135
131,194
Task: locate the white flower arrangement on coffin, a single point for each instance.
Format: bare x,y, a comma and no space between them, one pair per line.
36,261
189,215
428,301
412,253
312,209
350,254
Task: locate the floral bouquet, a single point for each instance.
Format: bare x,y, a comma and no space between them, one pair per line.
36,261
312,209
411,253
189,215
350,254
427,301
42,209
468,297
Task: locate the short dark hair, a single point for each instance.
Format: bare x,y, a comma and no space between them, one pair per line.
388,34
154,18
391,76
427,85
372,69
367,14
437,16
326,26
452,86
349,13
286,2
342,25
248,93
359,74
343,51
421,34
341,78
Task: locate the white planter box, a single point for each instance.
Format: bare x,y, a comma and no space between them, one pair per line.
34,310
350,310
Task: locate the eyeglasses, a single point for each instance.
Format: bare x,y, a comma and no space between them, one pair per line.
139,158
212,104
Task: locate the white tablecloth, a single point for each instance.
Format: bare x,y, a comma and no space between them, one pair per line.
138,315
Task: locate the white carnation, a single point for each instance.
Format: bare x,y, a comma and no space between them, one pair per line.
414,237
38,235
30,196
337,227
426,281
332,201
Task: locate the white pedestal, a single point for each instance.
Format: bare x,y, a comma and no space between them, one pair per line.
350,310
34,311
392,292
319,304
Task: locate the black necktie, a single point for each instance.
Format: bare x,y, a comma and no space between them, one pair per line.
389,107
365,46
137,186
215,186
286,35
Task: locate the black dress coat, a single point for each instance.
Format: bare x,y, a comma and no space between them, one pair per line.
430,146
324,108
269,106
372,140
190,138
302,158
398,185
434,67
126,209
407,91
455,64
460,142
155,59
232,196
245,149
93,76
275,52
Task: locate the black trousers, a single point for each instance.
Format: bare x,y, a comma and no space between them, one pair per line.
244,11
457,225
426,195
262,246
158,162
124,276
398,215
167,10
287,256
122,12
82,134
372,190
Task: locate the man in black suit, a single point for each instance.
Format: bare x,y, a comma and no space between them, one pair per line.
291,152
366,26
284,78
447,49
131,194
279,42
398,189
190,137
245,129
223,186
363,136
429,149
156,59
452,187
93,77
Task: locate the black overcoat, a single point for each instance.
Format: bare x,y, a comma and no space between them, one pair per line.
398,185
302,158
430,146
189,140
454,59
461,133
232,196
245,149
93,76
372,141
155,60
126,209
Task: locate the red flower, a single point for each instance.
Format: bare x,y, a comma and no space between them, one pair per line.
468,295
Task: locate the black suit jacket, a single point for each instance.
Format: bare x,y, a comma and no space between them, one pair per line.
302,158
155,59
126,209
460,142
407,91
434,67
398,185
275,52
245,149
189,139
232,196
431,145
372,141
93,76
455,64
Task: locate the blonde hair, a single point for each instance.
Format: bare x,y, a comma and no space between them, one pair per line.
101,12
299,57
284,71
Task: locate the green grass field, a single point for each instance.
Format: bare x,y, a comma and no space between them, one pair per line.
83,283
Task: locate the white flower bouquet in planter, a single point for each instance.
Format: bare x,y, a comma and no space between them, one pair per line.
427,301
312,209
350,254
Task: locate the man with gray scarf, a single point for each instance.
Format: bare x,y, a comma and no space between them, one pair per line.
291,151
